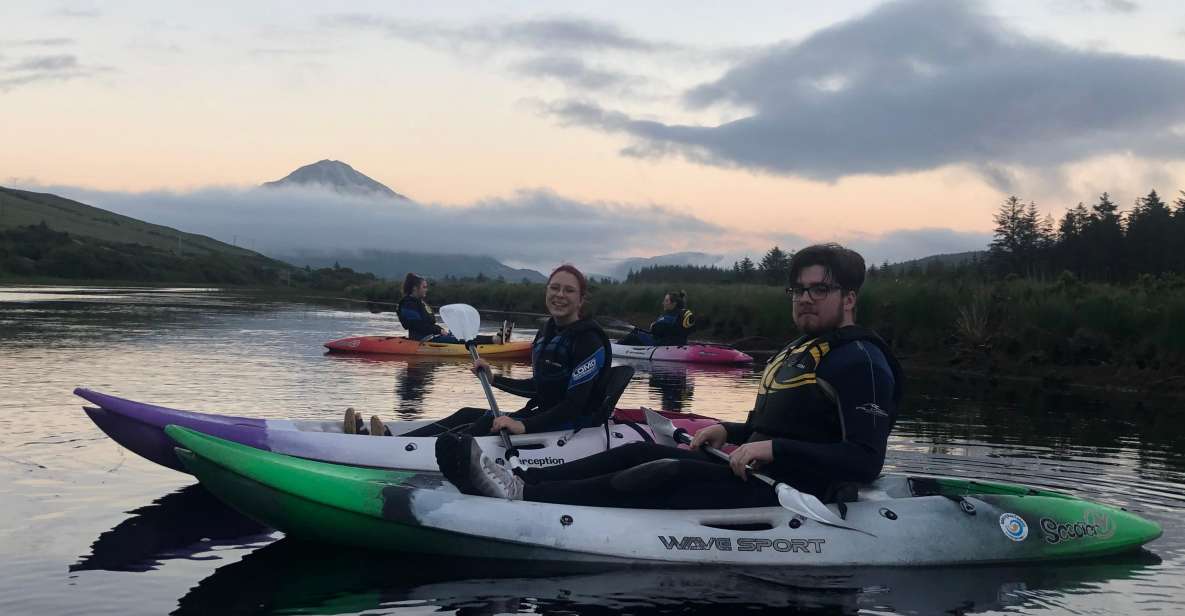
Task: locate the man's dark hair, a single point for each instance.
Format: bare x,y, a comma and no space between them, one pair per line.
843,265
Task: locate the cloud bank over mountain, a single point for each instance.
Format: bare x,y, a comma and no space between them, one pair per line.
531,228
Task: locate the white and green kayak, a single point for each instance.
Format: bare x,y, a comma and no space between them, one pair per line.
900,520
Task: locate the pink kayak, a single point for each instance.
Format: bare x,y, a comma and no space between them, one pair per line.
695,352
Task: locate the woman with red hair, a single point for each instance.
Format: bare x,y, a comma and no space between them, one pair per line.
570,360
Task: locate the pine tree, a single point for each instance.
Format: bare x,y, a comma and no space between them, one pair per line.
1017,238
775,266
745,270
1104,236
1150,236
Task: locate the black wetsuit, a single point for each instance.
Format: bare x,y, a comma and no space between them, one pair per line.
416,317
570,371
671,328
828,403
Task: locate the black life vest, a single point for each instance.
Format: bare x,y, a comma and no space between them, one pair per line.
792,402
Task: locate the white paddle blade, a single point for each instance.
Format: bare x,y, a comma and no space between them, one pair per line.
809,506
663,428
462,320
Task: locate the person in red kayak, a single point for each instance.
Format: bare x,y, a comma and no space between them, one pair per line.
417,318
821,421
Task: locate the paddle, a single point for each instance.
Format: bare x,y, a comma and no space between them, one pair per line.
806,505
463,321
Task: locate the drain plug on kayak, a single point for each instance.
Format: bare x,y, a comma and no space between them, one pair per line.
566,520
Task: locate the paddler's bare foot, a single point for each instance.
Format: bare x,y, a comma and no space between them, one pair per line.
350,423
376,426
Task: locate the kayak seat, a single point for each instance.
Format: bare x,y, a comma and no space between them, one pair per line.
842,492
619,379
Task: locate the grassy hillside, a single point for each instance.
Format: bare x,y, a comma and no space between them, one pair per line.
21,208
45,237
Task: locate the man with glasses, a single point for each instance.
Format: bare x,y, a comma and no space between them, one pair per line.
821,421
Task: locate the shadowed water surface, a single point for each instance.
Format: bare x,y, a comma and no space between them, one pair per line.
86,527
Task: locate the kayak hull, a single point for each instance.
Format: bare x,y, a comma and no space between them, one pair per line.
139,427
692,353
398,345
903,521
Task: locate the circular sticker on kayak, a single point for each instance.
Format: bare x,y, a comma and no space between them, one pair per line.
1014,527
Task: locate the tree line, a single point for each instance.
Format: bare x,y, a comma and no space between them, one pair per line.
1097,243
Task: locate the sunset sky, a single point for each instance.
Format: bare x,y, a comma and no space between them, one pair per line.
614,129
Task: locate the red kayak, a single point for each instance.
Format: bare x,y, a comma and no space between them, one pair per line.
398,345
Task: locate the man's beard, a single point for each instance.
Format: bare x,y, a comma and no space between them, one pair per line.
822,323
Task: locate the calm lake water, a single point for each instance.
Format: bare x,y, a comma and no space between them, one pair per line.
86,527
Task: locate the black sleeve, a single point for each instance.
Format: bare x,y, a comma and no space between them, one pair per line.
864,384
591,360
415,319
737,432
518,387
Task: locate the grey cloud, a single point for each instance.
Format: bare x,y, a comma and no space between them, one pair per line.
573,34
540,48
61,67
574,71
1106,6
80,12
533,227
40,42
554,34
916,85
1120,6
47,63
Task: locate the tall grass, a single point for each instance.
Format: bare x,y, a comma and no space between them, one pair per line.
1018,321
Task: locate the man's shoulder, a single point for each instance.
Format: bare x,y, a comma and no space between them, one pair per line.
855,352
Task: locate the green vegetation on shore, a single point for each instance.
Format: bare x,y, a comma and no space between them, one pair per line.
1012,323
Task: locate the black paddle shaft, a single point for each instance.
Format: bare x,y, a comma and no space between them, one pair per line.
511,452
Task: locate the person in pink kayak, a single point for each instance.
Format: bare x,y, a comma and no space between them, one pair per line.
671,328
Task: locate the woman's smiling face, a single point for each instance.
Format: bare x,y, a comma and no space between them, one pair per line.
563,298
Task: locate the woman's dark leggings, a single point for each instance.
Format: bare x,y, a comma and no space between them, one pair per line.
481,420
646,476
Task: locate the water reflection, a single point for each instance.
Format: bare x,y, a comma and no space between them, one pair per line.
182,524
252,355
414,377
294,577
674,382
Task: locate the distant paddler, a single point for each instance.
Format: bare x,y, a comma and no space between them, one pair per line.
417,318
671,328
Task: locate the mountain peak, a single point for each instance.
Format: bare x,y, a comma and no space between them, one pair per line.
336,175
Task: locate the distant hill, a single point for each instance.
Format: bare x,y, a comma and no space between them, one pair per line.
336,175
621,270
394,265
24,208
46,236
949,260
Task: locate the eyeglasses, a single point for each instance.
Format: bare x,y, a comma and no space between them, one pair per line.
818,292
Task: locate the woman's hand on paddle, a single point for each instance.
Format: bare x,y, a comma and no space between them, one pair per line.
511,424
756,454
481,364
712,436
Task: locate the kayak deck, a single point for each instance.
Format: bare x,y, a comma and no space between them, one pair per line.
902,520
399,345
698,353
